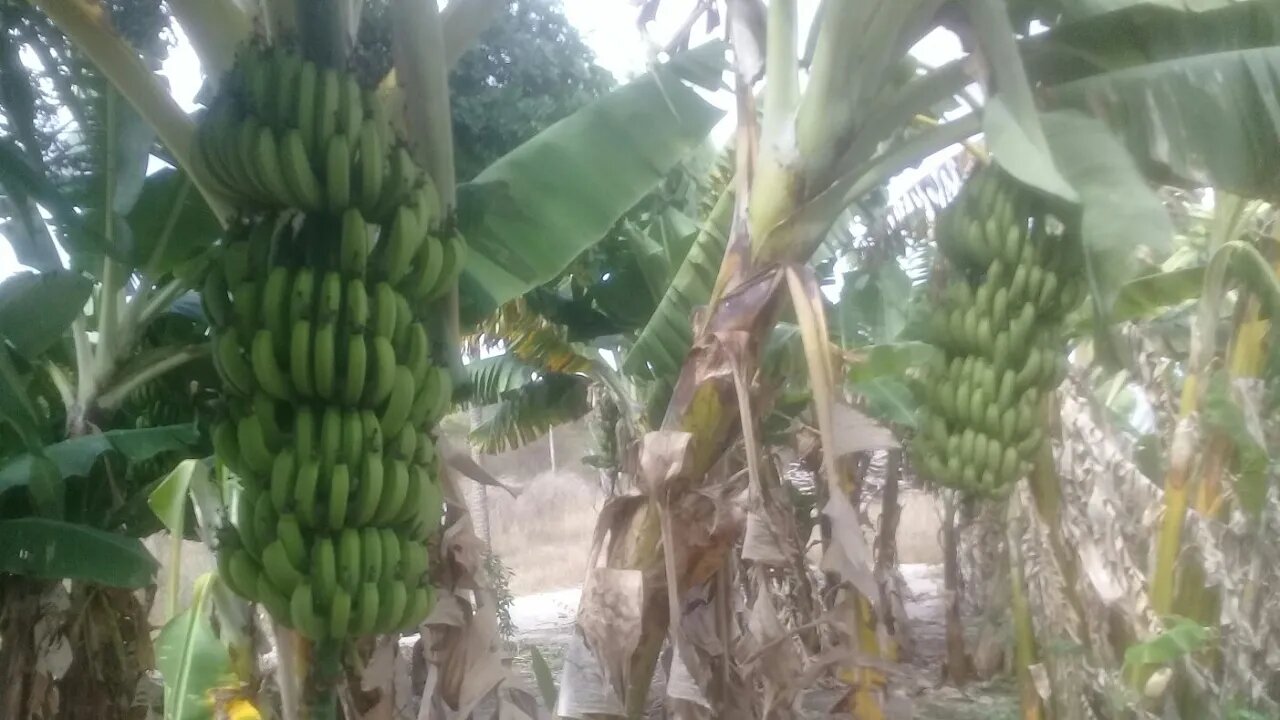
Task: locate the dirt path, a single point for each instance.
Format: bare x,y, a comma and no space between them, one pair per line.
545,620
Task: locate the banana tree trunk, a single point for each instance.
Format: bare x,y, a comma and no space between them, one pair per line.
958,667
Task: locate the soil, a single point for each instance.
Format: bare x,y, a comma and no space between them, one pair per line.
545,620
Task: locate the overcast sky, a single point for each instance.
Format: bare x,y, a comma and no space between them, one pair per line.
607,26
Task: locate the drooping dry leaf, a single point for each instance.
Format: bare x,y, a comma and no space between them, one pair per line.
682,685
777,660
663,456
464,553
610,617
584,690
857,432
848,555
763,543
475,668
461,460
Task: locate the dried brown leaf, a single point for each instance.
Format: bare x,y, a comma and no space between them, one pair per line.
777,659
584,690
663,457
848,555
854,431
610,618
461,460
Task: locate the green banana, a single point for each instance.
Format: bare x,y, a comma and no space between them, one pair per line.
367,604
245,503
443,395
235,255
455,259
242,574
226,447
425,454
391,566
399,403
405,443
404,318
350,559
406,237
324,356
339,613
370,554
354,252
339,492
395,489
300,358
267,161
277,604
384,310
431,512
427,267
302,297
357,310
253,446
419,350
305,500
329,309
302,611
283,470
337,175
266,370
330,437
280,569
328,96
234,369
214,297
417,609
413,496
350,108
295,169
394,599
285,96
382,379
324,569
372,154
369,491
275,303
304,434
305,108
373,440
354,380
414,558
289,533
352,438
244,307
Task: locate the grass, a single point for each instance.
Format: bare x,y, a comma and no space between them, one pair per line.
544,536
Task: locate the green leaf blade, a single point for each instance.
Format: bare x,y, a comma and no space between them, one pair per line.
53,549
530,213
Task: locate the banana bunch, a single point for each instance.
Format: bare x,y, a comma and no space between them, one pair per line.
1016,271
286,133
318,304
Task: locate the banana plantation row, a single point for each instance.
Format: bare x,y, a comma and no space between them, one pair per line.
382,213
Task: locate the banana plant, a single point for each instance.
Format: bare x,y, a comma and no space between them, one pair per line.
824,148
514,213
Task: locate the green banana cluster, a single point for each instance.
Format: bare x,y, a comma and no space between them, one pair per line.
1015,271
318,306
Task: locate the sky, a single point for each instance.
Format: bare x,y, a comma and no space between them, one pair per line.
609,28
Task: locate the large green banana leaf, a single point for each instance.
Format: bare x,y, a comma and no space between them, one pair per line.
527,216
660,348
1194,95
